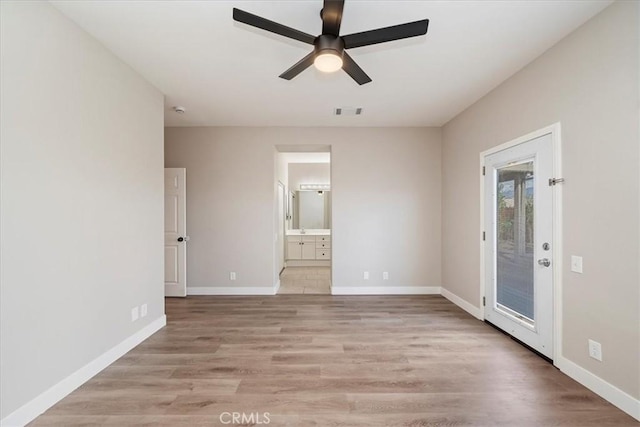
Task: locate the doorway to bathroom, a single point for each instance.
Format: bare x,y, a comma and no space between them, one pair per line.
303,217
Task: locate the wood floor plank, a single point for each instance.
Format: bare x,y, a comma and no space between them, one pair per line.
289,404
243,370
322,360
109,387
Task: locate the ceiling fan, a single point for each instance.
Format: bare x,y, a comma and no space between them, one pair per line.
329,47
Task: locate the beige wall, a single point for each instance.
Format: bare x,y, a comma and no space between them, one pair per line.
385,195
82,200
589,83
308,173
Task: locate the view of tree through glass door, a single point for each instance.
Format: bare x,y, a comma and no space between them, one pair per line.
515,209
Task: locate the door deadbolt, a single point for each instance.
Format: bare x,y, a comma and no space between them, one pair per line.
546,246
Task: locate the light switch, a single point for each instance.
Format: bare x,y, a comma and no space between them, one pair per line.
576,264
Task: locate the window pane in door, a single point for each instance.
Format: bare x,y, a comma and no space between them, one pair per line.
514,237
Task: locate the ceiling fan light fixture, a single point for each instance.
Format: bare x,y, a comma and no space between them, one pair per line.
328,61
329,53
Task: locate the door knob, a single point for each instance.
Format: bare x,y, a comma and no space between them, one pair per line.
183,239
544,262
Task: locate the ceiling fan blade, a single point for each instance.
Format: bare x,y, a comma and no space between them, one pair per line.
387,34
354,70
332,16
273,27
299,67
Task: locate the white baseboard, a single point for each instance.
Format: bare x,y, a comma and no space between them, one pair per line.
50,397
463,304
607,391
385,290
276,287
29,411
231,290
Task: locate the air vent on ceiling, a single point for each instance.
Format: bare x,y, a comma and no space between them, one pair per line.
348,111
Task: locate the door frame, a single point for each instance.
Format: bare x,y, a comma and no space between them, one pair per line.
282,221
556,259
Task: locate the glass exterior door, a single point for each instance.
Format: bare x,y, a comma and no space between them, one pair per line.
518,226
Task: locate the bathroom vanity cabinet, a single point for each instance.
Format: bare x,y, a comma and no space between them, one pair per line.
301,247
308,246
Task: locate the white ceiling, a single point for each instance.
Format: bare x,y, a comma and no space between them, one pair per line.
226,73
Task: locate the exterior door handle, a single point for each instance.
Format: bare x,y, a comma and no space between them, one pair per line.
544,262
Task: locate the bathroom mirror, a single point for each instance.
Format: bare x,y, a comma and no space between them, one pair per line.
311,210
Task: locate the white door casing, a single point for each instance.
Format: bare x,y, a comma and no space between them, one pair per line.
280,242
531,322
175,227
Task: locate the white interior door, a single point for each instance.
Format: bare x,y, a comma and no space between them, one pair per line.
518,244
175,227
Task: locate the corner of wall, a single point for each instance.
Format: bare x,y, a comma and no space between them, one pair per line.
32,409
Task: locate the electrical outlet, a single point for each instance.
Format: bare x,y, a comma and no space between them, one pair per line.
385,275
134,314
365,276
143,310
595,350
232,275
576,264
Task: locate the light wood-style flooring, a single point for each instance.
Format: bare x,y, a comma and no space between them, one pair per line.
316,360
305,280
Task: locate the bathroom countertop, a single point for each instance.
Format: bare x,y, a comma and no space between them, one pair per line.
309,232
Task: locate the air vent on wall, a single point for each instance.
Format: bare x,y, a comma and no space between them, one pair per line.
348,111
